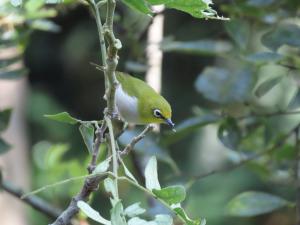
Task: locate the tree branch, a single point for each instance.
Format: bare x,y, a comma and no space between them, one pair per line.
90,183
136,139
110,61
34,201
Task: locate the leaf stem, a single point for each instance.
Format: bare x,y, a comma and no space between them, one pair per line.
114,154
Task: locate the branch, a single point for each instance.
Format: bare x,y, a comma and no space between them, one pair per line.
136,139
278,113
110,61
112,58
34,201
90,183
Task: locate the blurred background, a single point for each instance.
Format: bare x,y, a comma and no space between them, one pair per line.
233,86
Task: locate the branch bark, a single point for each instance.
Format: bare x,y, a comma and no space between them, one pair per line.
34,201
110,62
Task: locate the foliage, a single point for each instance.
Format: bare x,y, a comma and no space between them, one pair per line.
249,93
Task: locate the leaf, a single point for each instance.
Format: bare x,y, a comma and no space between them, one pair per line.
239,31
117,213
4,118
171,195
110,187
162,219
12,74
33,5
103,166
55,154
45,25
91,213
200,47
63,117
284,34
138,5
137,221
4,147
264,57
87,132
222,86
127,172
196,8
181,213
134,210
151,174
188,126
254,203
266,86
230,134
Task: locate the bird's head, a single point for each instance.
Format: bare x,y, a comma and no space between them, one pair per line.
157,110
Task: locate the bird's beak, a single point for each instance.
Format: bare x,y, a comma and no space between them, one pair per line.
171,124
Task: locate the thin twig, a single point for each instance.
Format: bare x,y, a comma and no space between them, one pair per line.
136,139
271,114
99,139
90,183
34,201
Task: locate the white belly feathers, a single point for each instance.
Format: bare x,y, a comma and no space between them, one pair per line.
127,106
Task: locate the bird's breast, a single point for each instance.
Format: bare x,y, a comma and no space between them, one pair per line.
127,106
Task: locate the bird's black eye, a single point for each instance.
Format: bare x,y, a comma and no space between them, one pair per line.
157,113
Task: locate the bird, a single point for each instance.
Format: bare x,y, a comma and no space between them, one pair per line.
138,103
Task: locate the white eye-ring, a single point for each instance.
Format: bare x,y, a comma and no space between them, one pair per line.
156,113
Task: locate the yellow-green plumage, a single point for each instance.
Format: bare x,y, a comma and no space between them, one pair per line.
147,100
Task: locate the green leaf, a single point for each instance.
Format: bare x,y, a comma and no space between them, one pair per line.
266,86
264,57
134,210
162,219
55,154
92,213
200,47
239,31
109,186
4,118
253,203
45,25
171,195
188,126
12,74
196,8
138,221
103,166
181,213
128,173
230,134
63,117
117,213
33,5
284,34
87,132
222,86
151,175
8,61
138,5
4,147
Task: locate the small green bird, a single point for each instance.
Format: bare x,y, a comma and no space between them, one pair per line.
138,103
